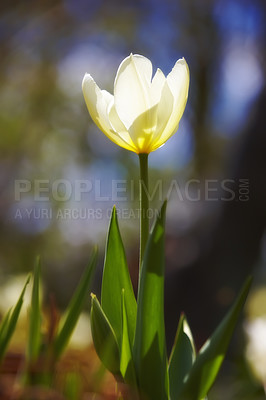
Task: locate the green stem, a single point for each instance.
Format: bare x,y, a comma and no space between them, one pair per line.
144,203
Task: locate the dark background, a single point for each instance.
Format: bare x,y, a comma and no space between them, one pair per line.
215,238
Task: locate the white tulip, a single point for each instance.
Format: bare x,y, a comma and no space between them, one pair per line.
144,112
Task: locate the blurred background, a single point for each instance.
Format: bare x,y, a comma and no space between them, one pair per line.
60,176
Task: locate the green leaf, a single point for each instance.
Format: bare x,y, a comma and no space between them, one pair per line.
208,362
126,361
182,357
75,307
9,323
115,278
149,348
34,340
4,325
104,338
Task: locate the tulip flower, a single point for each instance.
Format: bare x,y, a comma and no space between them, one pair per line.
144,112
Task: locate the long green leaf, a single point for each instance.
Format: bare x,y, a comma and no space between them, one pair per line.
75,307
208,362
182,357
11,322
35,317
4,325
149,348
104,338
115,278
126,360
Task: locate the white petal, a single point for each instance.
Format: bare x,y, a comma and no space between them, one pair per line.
132,88
143,129
164,112
98,103
120,129
178,81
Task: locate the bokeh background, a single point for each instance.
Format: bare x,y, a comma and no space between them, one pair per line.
49,149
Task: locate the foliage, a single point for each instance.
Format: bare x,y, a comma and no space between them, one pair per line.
142,362
9,322
42,352
128,335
